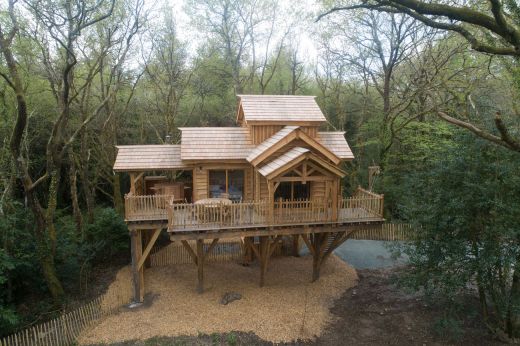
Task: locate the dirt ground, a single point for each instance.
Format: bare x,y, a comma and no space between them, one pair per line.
288,307
375,312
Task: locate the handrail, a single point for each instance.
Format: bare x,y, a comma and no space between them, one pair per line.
277,213
375,208
146,207
253,213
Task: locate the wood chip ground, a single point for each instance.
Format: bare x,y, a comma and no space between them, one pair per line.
288,308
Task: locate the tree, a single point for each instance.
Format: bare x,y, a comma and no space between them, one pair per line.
493,29
169,75
65,24
463,194
399,66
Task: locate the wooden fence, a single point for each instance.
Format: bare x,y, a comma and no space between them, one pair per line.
386,231
65,329
224,251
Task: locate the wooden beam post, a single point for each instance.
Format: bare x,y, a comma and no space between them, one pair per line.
264,257
132,183
319,243
335,200
296,245
200,265
146,242
149,242
137,274
247,243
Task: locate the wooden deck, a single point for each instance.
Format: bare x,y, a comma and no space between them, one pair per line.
187,217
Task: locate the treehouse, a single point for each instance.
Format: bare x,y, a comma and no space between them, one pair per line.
275,175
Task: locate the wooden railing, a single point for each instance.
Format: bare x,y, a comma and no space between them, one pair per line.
280,213
149,207
362,205
367,200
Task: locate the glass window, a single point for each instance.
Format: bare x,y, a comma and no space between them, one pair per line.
235,184
229,183
217,183
293,190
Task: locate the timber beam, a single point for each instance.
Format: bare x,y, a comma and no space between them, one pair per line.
268,230
267,246
322,245
139,258
199,256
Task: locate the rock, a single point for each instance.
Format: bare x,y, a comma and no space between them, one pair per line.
230,297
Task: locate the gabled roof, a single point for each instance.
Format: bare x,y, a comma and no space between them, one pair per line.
279,109
287,158
335,142
282,138
215,143
148,157
292,158
271,141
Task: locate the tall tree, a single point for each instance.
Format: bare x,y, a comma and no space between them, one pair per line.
489,26
64,24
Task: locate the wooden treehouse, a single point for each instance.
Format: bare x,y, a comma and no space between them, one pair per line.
275,175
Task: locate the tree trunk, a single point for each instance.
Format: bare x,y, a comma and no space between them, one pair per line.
84,176
74,195
118,200
46,257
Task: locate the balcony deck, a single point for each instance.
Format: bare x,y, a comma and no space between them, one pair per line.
186,217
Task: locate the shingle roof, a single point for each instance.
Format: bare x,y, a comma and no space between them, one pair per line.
284,109
282,160
268,143
215,143
335,142
148,157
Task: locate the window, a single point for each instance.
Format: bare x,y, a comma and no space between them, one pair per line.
229,181
291,190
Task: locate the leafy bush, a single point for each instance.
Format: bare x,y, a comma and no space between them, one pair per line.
469,236
108,235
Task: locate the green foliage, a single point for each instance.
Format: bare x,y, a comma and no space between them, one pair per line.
232,339
465,205
107,235
8,317
448,328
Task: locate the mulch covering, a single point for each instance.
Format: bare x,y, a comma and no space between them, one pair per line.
288,307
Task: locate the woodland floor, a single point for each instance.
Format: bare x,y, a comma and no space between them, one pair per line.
375,312
289,307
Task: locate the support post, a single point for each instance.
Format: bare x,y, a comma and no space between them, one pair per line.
200,265
296,245
315,240
248,251
264,257
146,240
137,274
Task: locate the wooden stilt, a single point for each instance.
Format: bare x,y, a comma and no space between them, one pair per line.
322,246
317,243
140,268
296,245
200,265
136,277
247,243
264,257
146,240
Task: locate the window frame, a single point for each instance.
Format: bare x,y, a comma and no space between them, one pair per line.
226,170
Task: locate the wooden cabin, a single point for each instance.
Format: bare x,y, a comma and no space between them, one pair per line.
276,174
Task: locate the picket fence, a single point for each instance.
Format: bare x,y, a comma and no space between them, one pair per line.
65,329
